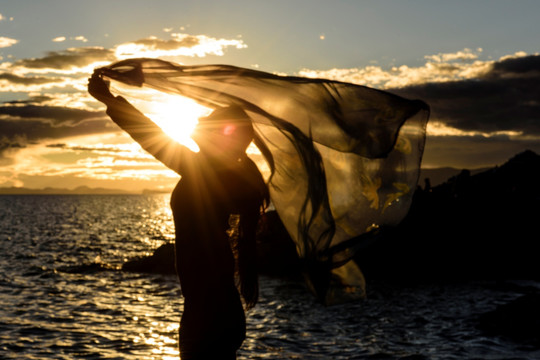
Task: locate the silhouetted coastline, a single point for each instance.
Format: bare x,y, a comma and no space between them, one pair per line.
79,190
470,227
479,226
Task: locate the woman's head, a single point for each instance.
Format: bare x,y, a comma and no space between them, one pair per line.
226,129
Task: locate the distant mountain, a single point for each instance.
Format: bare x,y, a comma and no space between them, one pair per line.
81,190
438,176
156,191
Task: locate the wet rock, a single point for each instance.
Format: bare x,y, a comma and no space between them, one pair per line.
160,262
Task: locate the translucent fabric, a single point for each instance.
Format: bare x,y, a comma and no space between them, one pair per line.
345,158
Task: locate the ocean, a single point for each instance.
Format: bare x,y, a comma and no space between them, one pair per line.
63,296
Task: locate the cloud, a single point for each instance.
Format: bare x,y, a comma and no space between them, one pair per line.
177,45
33,100
31,85
76,38
517,66
7,42
66,111
10,146
485,120
94,160
82,60
482,111
23,123
67,60
468,97
19,134
2,18
440,68
55,115
476,104
6,143
503,100
10,82
99,148
22,80
465,54
35,131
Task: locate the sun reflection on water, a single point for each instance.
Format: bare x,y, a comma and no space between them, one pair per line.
154,314
158,337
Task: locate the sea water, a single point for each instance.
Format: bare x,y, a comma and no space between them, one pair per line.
63,296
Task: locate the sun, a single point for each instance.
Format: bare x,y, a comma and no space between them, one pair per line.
177,116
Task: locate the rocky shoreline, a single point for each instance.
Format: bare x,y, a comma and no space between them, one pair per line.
471,227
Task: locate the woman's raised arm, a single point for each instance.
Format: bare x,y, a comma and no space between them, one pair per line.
143,130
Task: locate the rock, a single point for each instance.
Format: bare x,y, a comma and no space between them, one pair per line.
518,320
160,262
276,252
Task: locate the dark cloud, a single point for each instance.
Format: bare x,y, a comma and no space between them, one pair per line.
59,146
528,66
10,145
100,149
507,98
68,59
7,143
31,80
32,100
32,123
35,130
53,115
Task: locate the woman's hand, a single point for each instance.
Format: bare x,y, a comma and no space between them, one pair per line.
99,89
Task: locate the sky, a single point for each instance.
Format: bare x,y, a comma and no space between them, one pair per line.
476,63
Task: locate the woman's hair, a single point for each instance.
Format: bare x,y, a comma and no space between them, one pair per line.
244,239
316,201
246,246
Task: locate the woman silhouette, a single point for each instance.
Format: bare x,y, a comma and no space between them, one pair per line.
218,182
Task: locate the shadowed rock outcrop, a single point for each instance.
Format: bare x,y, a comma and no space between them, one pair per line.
481,226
